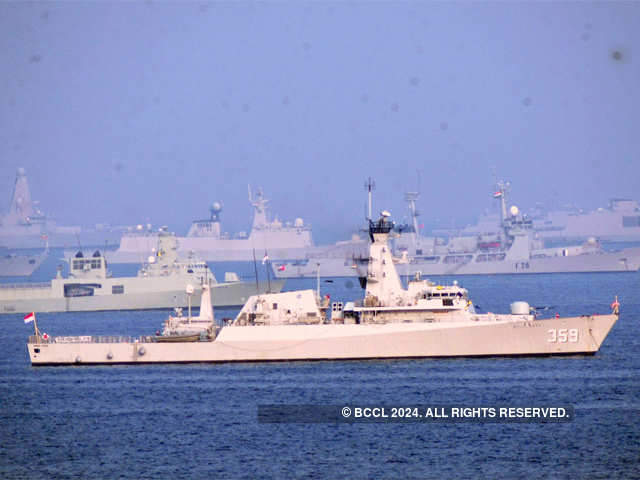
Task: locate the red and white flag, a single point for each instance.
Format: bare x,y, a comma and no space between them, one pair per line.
281,268
29,317
498,194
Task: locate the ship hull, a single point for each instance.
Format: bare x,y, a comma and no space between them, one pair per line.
20,265
153,296
278,244
562,336
34,239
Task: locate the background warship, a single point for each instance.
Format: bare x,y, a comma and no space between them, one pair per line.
26,226
162,283
618,222
512,248
20,264
207,240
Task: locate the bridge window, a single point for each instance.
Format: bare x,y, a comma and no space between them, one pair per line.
630,222
117,289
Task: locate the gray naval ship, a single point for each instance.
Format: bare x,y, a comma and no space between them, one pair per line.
20,264
514,248
422,320
164,281
619,221
25,225
207,240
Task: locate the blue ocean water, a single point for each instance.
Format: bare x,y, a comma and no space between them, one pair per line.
196,421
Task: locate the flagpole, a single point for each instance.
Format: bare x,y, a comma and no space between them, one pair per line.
267,265
35,325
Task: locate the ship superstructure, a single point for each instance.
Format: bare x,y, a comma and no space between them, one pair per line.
619,221
207,240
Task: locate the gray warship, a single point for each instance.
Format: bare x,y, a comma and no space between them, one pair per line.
422,320
207,240
618,222
165,281
514,248
20,264
25,225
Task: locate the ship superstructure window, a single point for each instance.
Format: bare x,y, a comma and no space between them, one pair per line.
630,222
457,258
82,263
117,289
447,302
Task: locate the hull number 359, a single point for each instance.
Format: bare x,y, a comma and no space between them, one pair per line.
562,335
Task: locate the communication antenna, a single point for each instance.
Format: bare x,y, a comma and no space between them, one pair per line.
369,186
255,267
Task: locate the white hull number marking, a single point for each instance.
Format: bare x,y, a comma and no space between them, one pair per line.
562,335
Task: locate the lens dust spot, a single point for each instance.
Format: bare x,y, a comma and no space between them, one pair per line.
35,58
395,107
444,126
617,55
526,101
415,81
348,284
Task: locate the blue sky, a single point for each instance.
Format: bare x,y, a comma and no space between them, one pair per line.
149,112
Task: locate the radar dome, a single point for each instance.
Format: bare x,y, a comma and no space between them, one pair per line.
513,210
216,207
189,289
385,213
298,222
152,259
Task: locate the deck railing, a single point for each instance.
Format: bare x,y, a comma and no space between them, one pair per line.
26,285
39,339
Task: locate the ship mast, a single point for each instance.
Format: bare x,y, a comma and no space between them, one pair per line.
411,198
370,186
501,193
259,203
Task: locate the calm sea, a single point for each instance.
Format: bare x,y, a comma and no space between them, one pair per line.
197,421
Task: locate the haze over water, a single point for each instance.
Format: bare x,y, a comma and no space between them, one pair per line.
148,112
